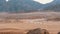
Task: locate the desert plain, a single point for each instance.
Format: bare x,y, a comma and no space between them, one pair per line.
23,22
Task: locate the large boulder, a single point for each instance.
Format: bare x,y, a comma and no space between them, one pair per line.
44,31
58,32
38,31
34,31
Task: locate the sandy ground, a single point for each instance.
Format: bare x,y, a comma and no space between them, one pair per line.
52,26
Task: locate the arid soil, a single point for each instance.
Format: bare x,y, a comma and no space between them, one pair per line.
30,21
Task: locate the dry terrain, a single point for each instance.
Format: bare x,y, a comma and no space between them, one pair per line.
23,22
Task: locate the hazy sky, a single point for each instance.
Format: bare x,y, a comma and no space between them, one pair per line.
41,1
44,1
6,0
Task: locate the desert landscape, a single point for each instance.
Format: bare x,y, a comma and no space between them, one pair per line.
21,23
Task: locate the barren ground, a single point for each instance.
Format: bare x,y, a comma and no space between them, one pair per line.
32,21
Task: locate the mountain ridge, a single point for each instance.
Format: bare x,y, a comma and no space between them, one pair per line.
27,5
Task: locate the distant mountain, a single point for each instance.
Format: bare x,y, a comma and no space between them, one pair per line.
27,6
19,5
2,5
55,6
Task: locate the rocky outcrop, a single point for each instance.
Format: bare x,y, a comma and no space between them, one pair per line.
38,31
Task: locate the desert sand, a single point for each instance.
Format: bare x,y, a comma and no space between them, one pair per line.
33,21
